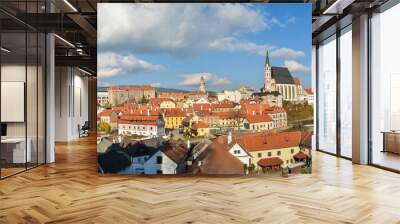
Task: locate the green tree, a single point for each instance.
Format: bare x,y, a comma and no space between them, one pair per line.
104,127
144,100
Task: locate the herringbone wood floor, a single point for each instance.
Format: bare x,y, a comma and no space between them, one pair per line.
70,191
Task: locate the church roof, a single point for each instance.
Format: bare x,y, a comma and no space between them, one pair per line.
267,59
282,75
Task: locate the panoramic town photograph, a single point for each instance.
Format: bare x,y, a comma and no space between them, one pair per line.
184,95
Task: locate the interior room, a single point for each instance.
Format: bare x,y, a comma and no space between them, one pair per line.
48,152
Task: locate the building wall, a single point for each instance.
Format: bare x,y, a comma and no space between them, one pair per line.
241,154
286,155
71,103
173,122
167,166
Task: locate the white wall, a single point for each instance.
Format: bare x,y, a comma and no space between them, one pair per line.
71,103
168,166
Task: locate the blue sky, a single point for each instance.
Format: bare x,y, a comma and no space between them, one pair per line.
173,45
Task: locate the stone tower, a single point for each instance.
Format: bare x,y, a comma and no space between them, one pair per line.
202,87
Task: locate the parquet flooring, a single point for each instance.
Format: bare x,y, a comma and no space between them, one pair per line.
70,191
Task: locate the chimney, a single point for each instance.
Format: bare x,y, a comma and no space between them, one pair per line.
229,137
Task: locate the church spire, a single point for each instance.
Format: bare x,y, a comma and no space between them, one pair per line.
267,59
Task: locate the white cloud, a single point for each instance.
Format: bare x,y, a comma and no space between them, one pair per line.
112,64
276,22
232,44
108,72
216,81
177,29
295,66
287,53
291,19
194,79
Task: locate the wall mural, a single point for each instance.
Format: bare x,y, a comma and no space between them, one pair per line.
204,89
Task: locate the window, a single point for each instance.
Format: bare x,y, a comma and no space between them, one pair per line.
326,77
159,171
385,88
259,155
346,92
269,154
159,159
278,153
292,150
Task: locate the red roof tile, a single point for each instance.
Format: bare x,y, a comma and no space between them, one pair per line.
308,91
107,112
266,140
296,81
200,124
176,152
300,155
258,118
216,159
268,162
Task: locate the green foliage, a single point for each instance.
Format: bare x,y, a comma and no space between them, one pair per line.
298,112
104,127
306,170
144,100
251,168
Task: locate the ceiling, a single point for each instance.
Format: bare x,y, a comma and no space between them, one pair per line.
75,22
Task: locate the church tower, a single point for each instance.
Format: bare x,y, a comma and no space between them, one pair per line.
269,84
202,87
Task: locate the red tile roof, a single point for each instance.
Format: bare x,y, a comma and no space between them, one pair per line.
308,91
296,81
254,108
200,124
201,106
306,138
266,140
258,118
106,112
300,155
268,162
174,112
227,114
139,118
158,101
216,159
176,152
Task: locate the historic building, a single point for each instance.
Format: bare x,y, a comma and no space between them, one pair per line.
143,125
127,94
266,149
102,99
279,79
173,118
202,87
234,96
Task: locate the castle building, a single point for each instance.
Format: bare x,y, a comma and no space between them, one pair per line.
125,94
